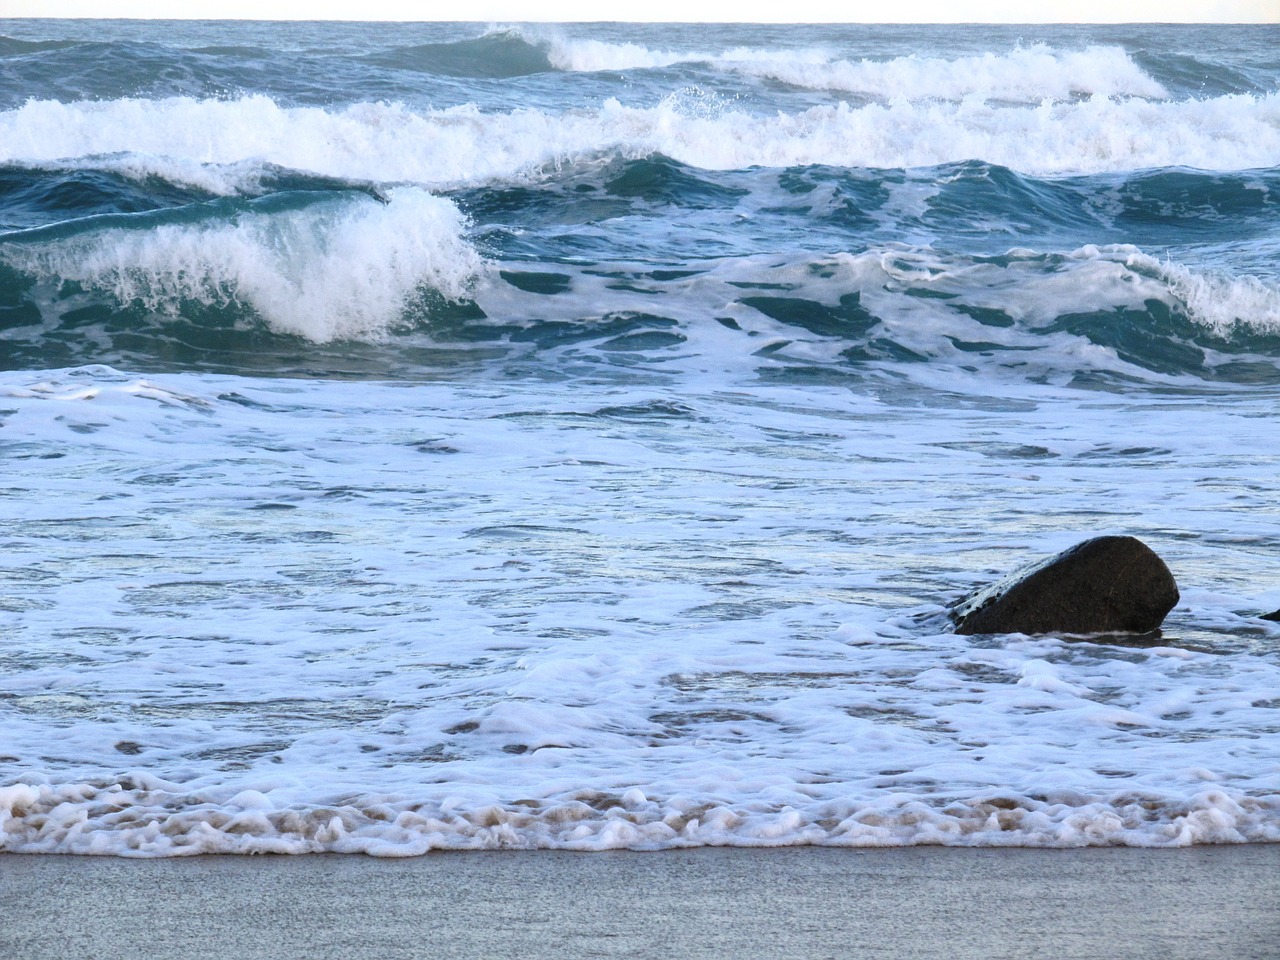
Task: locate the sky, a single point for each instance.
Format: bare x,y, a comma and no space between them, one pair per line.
828,11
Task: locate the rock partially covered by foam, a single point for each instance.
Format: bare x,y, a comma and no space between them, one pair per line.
1103,585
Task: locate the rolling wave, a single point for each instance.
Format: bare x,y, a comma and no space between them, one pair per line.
391,142
321,267
974,204
392,281
38,195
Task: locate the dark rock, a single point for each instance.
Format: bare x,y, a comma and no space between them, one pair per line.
1103,585
1274,615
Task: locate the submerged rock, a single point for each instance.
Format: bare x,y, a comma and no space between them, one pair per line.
1103,585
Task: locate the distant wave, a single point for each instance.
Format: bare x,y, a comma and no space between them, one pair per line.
1025,74
497,54
12,47
860,70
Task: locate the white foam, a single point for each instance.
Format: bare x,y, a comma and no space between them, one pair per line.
182,137
162,819
344,268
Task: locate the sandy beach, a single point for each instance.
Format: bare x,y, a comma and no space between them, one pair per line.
799,902
510,437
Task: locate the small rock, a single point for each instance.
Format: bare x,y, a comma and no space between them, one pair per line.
1273,615
1103,585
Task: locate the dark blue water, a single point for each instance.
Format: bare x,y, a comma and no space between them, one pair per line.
663,159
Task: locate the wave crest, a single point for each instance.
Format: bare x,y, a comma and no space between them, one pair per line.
1221,304
182,137
334,269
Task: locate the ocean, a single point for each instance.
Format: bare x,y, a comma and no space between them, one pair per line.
462,436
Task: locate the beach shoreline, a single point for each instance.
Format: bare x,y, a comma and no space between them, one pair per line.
1199,902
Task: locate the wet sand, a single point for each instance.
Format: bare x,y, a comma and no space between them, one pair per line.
798,902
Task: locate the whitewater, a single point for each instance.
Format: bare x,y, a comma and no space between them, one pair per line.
449,436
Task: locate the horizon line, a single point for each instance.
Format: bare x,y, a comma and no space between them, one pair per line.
716,21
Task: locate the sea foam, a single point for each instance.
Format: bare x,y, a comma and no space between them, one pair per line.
146,817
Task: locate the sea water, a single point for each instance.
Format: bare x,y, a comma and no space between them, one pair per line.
459,436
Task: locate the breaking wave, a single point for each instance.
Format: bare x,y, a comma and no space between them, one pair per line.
391,142
322,269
